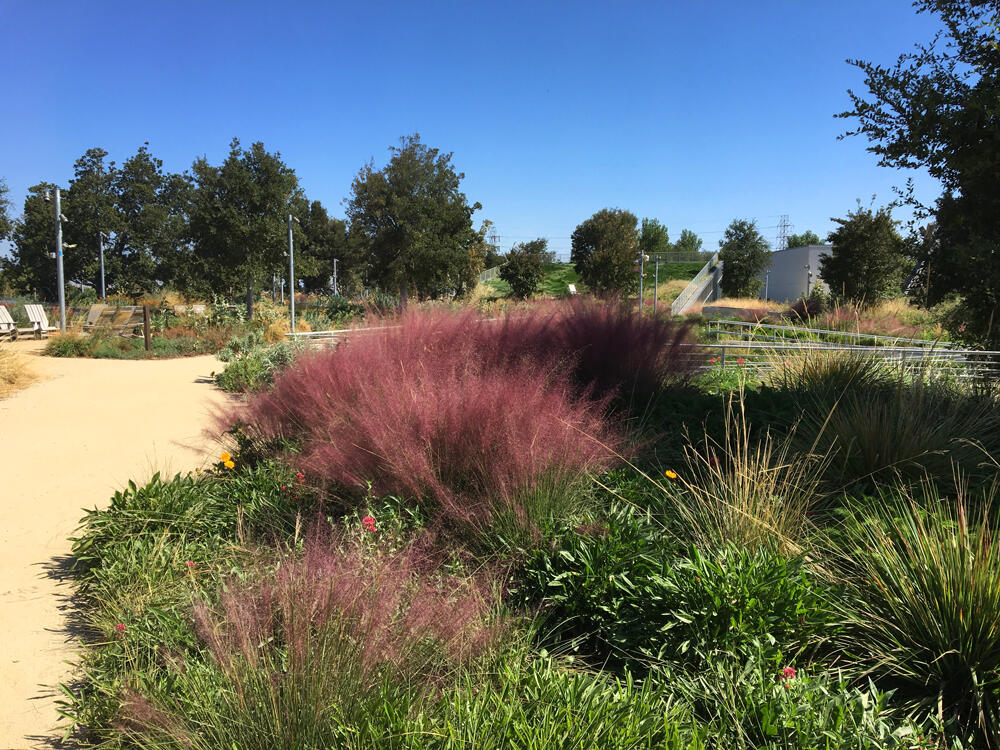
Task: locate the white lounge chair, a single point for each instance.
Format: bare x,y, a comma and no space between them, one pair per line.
572,290
39,321
8,328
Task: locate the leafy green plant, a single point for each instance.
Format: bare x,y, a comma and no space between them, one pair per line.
618,594
252,364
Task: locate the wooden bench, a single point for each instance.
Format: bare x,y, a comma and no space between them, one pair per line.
121,320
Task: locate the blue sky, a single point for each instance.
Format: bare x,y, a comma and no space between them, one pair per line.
693,112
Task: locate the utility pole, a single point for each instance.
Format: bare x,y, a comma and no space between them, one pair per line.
642,273
100,242
60,278
336,289
291,270
656,281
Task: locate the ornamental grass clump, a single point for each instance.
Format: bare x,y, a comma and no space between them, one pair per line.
745,490
440,411
924,615
323,652
15,372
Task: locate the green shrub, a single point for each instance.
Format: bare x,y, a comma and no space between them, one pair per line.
924,614
252,363
620,595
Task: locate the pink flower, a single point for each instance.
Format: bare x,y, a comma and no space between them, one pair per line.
788,673
368,523
740,361
190,564
300,476
120,630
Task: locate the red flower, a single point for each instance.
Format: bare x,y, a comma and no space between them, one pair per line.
788,673
740,361
190,563
368,523
120,630
300,476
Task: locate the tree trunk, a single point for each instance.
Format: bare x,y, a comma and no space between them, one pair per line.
402,296
249,301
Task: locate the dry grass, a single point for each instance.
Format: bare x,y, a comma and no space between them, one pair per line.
742,303
15,372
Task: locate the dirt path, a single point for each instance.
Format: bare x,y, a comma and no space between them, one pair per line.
67,443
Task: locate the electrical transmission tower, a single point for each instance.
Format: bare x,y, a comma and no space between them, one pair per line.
782,240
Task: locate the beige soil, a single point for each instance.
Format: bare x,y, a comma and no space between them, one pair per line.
66,443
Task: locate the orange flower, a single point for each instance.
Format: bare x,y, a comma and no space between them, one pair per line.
229,464
670,474
224,456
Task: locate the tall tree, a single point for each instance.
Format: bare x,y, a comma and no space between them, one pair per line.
525,267
866,262
6,223
415,223
654,238
31,269
151,226
745,254
324,240
238,217
605,249
90,207
808,237
688,242
937,108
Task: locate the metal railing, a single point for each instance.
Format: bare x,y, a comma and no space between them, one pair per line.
772,332
490,273
696,286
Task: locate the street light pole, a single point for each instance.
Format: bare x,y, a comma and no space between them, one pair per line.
656,281
335,288
60,278
291,271
100,241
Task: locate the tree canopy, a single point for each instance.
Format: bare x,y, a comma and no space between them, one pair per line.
937,108
866,262
605,249
238,217
745,254
808,237
415,224
525,267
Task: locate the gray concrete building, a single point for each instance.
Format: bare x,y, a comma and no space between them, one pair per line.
793,273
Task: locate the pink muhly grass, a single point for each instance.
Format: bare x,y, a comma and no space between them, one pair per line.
446,408
375,612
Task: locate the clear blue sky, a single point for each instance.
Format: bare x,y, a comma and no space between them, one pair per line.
691,111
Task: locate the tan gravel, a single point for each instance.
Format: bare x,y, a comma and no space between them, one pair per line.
67,443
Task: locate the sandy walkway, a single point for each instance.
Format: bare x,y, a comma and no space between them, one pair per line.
67,443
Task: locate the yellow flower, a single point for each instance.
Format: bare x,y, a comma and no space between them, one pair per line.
228,464
670,474
224,456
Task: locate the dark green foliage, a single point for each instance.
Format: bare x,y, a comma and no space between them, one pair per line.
808,237
238,220
688,242
606,250
654,238
866,263
935,109
30,268
415,224
620,594
6,224
524,268
745,254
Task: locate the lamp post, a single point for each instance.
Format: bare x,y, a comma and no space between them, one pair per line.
291,269
335,288
656,281
60,277
100,241
642,272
